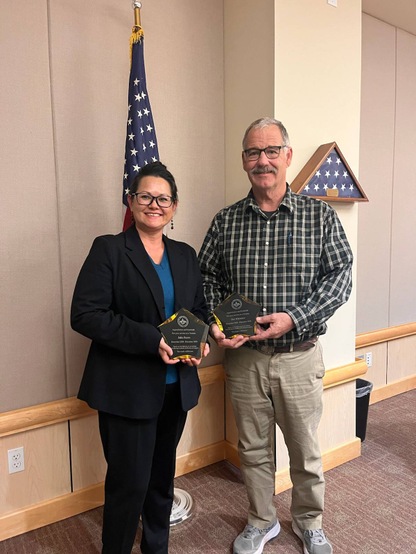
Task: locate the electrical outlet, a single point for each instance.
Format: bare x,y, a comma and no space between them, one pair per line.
369,359
16,457
333,3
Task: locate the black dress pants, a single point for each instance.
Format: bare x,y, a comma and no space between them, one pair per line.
141,457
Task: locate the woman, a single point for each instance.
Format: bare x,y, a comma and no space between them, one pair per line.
128,285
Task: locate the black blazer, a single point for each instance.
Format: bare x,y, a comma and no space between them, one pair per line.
118,303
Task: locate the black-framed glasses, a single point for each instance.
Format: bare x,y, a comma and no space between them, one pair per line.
145,199
272,152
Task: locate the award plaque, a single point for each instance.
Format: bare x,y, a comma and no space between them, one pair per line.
237,316
185,334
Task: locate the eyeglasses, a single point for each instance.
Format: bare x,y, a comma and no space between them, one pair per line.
272,152
145,199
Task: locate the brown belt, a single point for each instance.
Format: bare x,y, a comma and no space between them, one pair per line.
295,347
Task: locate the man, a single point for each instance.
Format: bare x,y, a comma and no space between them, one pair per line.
290,254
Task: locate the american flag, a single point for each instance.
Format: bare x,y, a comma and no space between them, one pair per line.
332,175
141,143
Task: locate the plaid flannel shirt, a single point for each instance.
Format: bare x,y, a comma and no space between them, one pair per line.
297,261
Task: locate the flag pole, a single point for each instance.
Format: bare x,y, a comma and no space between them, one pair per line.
182,500
137,31
141,144
137,6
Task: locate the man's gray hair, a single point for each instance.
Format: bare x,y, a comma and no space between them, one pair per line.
266,122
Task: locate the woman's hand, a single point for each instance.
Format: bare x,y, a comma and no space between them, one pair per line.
165,352
197,361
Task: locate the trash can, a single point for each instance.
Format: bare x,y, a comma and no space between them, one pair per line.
362,395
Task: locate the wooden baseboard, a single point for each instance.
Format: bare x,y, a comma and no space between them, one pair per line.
56,509
202,457
392,389
231,454
45,513
330,459
68,505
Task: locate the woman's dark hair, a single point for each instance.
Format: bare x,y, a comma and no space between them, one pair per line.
155,169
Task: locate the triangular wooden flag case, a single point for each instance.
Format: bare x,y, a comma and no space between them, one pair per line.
328,176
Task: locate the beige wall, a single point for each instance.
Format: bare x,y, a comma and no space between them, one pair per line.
30,273
307,55
403,256
211,69
308,96
64,106
386,261
317,80
249,51
400,13
376,144
62,141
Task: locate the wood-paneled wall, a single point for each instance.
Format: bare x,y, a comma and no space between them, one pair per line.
64,464
65,467
393,354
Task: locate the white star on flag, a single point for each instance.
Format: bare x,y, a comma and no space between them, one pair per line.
339,179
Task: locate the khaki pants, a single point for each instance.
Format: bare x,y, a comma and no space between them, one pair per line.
285,389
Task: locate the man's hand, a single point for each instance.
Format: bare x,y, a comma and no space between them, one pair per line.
223,342
277,325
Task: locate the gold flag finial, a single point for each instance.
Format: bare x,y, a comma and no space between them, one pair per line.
137,5
137,31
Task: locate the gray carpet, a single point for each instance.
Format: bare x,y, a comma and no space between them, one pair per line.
370,502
